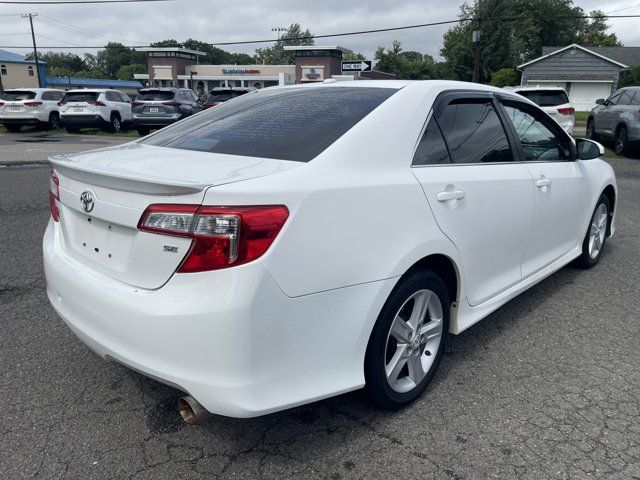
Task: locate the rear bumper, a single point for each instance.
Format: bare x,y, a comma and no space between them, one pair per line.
230,338
93,120
149,121
19,121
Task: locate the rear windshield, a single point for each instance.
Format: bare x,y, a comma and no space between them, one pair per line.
221,96
17,95
293,124
154,95
546,98
80,97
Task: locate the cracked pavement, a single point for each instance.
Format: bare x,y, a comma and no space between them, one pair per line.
546,387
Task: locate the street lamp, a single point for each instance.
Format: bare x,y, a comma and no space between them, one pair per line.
278,29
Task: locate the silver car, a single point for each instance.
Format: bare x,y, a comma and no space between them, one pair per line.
617,118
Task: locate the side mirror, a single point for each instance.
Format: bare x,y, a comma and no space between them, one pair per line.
600,101
588,149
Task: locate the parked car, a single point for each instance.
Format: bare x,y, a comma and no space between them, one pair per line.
159,107
305,241
95,108
30,107
221,95
554,101
617,118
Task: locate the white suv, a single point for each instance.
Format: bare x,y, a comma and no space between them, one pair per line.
110,109
554,101
30,107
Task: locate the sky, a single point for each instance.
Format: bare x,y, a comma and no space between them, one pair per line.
223,21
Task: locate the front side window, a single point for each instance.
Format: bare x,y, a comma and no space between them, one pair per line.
613,100
626,97
536,133
474,132
431,150
289,124
636,98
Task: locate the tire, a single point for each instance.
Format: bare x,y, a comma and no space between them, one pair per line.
13,128
142,131
115,125
416,359
620,145
596,235
54,122
591,130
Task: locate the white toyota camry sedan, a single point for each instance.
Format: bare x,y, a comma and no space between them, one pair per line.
300,242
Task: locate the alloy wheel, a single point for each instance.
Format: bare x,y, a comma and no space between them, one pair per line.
590,130
621,140
115,124
598,230
413,340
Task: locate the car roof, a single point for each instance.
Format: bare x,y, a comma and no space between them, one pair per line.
29,89
163,89
532,88
92,90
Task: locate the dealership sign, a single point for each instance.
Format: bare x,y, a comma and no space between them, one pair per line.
240,71
362,66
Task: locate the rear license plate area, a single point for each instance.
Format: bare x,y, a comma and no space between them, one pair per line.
77,109
15,108
154,109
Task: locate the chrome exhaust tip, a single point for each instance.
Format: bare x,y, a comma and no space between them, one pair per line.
191,411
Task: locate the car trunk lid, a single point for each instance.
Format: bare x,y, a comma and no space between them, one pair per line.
101,228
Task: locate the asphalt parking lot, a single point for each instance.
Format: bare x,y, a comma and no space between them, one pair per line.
546,387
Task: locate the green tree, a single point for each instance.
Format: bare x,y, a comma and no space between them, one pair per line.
277,55
505,77
630,77
596,31
126,71
508,43
116,55
353,57
406,65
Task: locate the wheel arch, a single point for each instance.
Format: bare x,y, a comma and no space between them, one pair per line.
610,193
444,267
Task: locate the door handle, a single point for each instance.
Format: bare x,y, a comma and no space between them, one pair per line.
543,182
450,195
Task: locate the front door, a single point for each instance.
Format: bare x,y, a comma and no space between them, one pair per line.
481,199
562,200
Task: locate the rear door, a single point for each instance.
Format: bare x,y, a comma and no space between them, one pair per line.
481,199
562,198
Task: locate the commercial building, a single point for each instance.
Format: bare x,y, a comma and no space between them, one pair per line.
180,66
17,72
586,73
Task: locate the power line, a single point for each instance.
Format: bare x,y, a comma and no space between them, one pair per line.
359,32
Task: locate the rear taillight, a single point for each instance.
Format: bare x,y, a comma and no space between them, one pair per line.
566,111
222,236
96,103
1,104
54,195
137,104
32,104
171,104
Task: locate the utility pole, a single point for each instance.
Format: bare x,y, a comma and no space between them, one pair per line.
35,49
476,41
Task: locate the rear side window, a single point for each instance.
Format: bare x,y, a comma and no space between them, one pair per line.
155,95
474,132
546,98
431,150
17,95
80,97
289,124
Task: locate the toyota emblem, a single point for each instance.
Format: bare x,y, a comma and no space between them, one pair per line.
86,201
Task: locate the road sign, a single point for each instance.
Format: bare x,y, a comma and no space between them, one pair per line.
359,66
